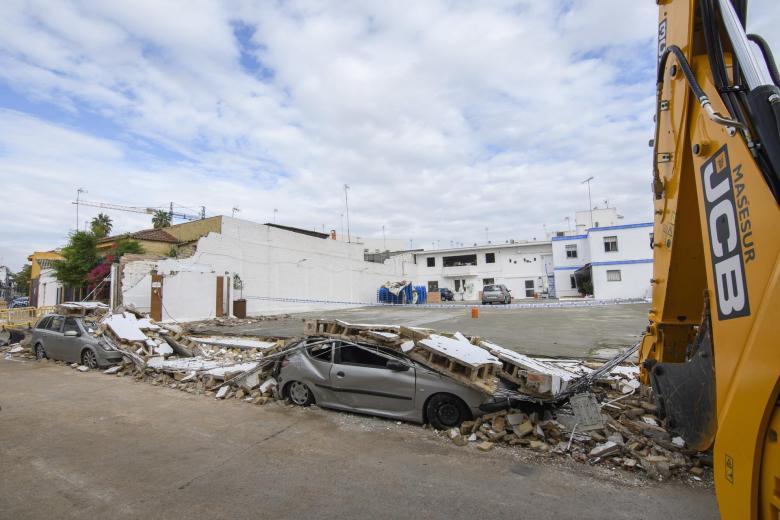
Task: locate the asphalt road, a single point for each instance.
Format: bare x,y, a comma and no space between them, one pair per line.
87,445
574,331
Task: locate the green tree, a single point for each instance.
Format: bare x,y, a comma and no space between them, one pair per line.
21,280
161,219
127,246
80,256
101,225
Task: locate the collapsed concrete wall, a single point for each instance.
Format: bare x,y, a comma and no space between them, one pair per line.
281,271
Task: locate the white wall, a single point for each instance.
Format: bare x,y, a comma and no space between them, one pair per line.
635,281
564,266
276,265
47,288
189,295
137,284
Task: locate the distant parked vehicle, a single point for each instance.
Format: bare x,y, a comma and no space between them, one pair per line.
446,294
22,301
376,381
69,338
496,293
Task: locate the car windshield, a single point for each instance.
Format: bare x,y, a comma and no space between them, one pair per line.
491,288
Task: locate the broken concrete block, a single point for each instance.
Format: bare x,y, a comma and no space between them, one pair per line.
459,440
189,377
268,385
696,471
523,429
260,400
499,423
538,445
466,427
113,370
16,349
604,450
516,418
453,432
679,442
222,392
251,381
473,437
617,438
240,393
485,446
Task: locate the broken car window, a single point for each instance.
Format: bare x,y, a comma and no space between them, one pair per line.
322,352
354,355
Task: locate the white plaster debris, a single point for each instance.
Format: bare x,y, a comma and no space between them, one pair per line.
189,377
406,346
82,368
113,370
222,392
650,420
679,442
463,351
16,349
232,342
235,367
268,385
559,377
163,349
125,326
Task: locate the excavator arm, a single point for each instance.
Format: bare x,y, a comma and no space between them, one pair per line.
712,348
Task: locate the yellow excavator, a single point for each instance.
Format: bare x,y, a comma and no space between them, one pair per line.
711,351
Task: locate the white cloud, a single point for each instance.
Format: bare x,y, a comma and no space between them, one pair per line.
444,117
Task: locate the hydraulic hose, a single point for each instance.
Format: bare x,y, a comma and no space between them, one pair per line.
769,58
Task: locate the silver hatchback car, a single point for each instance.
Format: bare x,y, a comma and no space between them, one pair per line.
496,293
377,381
69,338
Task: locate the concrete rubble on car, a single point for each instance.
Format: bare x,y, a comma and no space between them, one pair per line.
610,420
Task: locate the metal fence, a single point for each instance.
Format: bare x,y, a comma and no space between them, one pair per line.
22,316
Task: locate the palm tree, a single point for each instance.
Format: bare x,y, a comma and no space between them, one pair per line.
161,219
101,225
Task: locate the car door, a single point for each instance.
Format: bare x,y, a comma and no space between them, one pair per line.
53,342
363,381
71,345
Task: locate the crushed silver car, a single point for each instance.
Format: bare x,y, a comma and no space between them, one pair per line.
69,338
373,380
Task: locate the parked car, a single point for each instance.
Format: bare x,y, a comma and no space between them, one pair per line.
69,338
446,294
377,381
496,293
22,301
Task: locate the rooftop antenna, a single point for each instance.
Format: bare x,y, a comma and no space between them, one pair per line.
590,202
236,209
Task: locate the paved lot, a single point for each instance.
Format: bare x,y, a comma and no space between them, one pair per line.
76,445
573,331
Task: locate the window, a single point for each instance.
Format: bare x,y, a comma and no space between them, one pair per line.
573,281
433,286
613,275
431,261
571,251
56,323
353,355
488,281
44,323
490,258
610,244
322,352
71,325
454,261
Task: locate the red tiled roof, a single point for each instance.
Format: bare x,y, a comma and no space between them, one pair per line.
154,235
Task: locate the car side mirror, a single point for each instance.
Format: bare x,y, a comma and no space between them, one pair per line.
397,366
71,334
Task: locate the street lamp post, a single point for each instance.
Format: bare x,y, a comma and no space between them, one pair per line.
79,191
346,201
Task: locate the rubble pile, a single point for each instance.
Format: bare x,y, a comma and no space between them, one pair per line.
198,327
592,412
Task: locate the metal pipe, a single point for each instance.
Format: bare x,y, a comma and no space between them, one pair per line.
755,75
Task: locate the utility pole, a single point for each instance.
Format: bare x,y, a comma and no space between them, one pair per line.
590,204
79,191
341,235
346,201
384,239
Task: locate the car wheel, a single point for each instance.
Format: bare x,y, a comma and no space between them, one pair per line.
445,411
298,393
39,352
89,359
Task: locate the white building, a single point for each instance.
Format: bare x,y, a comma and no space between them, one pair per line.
525,268
281,269
610,260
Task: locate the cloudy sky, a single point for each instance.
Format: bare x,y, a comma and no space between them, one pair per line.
444,117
